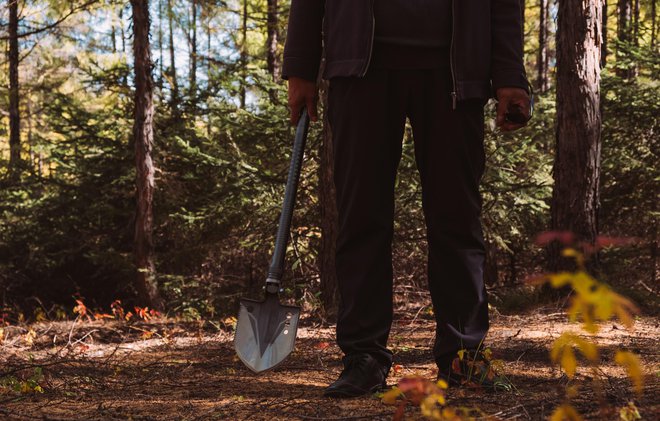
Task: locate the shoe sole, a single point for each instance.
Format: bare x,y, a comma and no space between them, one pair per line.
338,394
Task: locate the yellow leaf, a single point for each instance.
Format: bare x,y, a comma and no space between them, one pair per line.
629,413
633,367
442,384
565,412
488,354
558,280
391,396
589,349
568,361
461,353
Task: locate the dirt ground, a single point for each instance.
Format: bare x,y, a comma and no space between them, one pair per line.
171,370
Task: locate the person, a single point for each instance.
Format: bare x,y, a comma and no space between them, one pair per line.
436,62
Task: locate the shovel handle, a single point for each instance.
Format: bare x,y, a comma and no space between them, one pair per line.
277,263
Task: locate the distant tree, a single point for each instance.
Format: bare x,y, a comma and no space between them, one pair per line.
193,52
575,197
542,81
143,134
625,34
244,53
174,84
14,114
272,39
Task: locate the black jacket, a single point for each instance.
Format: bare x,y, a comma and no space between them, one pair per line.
486,47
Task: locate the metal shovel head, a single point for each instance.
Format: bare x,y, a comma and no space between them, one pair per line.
265,332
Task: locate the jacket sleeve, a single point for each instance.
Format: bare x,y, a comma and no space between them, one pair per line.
303,46
507,65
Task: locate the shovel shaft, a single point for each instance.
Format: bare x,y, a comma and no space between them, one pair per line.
277,262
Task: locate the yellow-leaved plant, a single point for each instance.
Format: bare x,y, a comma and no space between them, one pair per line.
591,302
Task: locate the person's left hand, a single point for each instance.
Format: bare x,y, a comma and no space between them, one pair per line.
507,99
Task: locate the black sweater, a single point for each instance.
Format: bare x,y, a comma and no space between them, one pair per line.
420,23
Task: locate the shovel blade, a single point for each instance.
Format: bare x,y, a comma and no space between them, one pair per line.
265,332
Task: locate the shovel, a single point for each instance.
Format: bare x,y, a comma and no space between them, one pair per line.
266,330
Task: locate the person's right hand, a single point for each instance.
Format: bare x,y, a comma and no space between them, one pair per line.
302,93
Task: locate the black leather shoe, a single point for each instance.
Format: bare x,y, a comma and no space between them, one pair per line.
362,375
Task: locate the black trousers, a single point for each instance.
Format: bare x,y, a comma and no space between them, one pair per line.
367,116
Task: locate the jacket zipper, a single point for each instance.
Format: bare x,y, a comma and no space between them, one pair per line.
451,56
371,42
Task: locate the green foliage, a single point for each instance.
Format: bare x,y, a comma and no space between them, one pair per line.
15,385
67,227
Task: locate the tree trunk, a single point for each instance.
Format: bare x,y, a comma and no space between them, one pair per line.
542,61
145,282
244,54
328,207
174,85
272,40
654,29
193,53
121,28
624,35
209,15
160,48
635,29
603,48
113,32
576,171
14,114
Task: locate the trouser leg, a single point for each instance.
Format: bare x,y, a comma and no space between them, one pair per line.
367,120
450,157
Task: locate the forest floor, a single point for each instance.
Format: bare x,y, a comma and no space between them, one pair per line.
166,369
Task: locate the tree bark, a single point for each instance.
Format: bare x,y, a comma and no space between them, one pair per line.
272,40
328,208
14,114
575,197
542,61
145,282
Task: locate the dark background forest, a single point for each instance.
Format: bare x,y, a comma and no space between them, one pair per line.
81,219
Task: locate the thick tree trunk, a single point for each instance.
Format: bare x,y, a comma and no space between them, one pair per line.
145,282
576,171
174,85
542,61
328,207
14,114
272,40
